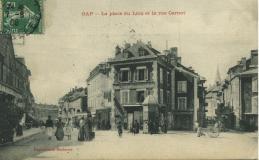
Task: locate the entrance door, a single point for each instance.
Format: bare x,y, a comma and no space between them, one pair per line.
130,120
138,116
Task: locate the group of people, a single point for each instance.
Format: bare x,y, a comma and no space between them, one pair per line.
61,129
85,129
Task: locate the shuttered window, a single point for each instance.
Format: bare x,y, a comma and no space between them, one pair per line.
181,86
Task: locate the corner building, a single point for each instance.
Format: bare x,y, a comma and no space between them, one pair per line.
137,71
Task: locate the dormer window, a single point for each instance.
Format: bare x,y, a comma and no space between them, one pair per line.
127,54
142,52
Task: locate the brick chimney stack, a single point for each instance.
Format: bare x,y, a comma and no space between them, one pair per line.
254,58
173,55
117,50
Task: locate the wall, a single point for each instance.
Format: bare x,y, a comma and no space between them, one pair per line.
97,86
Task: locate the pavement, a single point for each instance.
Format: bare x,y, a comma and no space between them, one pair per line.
107,145
28,133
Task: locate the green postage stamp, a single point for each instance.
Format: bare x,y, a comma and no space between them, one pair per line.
22,16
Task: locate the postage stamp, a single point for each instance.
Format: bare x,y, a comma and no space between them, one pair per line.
22,16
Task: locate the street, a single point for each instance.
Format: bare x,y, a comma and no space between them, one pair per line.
107,145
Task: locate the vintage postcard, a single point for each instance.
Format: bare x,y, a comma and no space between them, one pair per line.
139,79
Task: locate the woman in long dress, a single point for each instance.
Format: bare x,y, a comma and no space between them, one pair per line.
59,132
86,129
68,128
81,133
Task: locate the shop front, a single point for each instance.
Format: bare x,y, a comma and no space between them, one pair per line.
103,119
133,114
183,121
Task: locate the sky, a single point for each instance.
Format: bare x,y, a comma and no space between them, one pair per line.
210,34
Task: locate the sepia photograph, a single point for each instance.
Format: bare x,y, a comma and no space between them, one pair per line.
139,79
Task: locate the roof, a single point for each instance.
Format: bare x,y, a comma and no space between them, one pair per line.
133,51
249,72
214,88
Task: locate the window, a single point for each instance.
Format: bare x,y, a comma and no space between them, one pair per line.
168,97
161,96
182,86
168,78
254,84
124,97
140,96
182,103
1,67
161,75
142,52
107,95
141,74
124,75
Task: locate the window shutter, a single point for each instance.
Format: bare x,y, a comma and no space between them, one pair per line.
129,73
120,75
145,74
133,96
136,74
145,94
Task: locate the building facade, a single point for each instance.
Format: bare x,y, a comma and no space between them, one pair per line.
137,71
240,92
235,98
42,111
14,77
74,102
15,95
99,85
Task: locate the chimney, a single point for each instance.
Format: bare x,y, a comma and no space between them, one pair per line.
127,45
172,54
179,60
254,58
20,59
174,51
149,44
117,50
243,62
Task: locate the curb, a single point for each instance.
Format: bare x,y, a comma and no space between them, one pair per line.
21,139
27,137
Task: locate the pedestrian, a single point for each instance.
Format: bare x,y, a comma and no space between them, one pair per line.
136,127
199,130
119,127
151,127
88,127
59,132
49,127
68,128
81,133
19,130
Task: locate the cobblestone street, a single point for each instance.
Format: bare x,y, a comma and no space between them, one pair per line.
107,145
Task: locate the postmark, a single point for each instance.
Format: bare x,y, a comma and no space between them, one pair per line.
22,16
18,39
